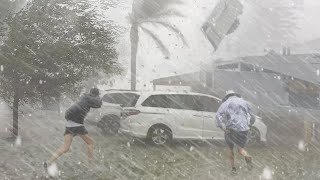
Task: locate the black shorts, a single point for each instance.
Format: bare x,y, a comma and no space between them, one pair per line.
236,138
80,130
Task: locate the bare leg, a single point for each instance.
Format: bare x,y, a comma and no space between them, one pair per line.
231,157
63,149
247,157
89,143
243,152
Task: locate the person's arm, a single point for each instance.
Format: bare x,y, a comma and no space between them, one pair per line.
252,115
95,101
220,116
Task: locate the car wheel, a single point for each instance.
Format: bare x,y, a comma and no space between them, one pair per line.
253,137
109,124
159,135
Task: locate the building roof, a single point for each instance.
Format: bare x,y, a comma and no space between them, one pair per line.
187,79
302,66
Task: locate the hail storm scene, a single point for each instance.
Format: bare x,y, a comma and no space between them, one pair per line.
159,89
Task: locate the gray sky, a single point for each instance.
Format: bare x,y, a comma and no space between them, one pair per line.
310,23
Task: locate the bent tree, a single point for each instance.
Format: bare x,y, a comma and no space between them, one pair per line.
51,48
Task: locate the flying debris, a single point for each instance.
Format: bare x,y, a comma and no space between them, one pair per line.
223,20
53,170
266,174
18,142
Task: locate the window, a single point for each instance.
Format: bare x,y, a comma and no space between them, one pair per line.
174,101
187,102
124,99
157,101
209,104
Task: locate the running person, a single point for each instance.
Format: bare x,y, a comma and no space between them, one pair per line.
75,125
233,118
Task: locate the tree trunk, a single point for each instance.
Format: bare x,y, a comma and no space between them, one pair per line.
15,120
134,39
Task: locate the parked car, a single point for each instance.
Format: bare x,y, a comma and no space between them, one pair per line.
160,117
113,102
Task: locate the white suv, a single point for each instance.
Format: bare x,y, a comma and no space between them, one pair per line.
113,102
162,116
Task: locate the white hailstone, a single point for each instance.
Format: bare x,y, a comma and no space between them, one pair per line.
40,82
1,67
18,142
279,77
318,72
266,174
53,170
191,148
301,146
30,115
79,162
128,144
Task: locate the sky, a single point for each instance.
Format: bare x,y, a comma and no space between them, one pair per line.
152,65
310,22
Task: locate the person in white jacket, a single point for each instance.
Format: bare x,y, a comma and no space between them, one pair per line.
234,117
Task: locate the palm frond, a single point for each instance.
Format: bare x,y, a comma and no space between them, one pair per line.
172,28
148,8
168,13
157,40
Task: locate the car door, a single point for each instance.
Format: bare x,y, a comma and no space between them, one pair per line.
210,106
185,110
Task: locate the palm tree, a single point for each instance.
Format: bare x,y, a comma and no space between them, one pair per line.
151,12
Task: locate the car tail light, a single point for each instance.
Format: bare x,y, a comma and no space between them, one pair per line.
130,112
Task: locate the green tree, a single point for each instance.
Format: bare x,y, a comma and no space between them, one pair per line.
151,12
51,48
8,8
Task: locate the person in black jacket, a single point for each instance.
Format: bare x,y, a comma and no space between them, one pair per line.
75,116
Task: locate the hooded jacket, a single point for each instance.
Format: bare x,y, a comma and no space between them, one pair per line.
79,110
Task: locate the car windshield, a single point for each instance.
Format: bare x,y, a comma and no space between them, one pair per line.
123,99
